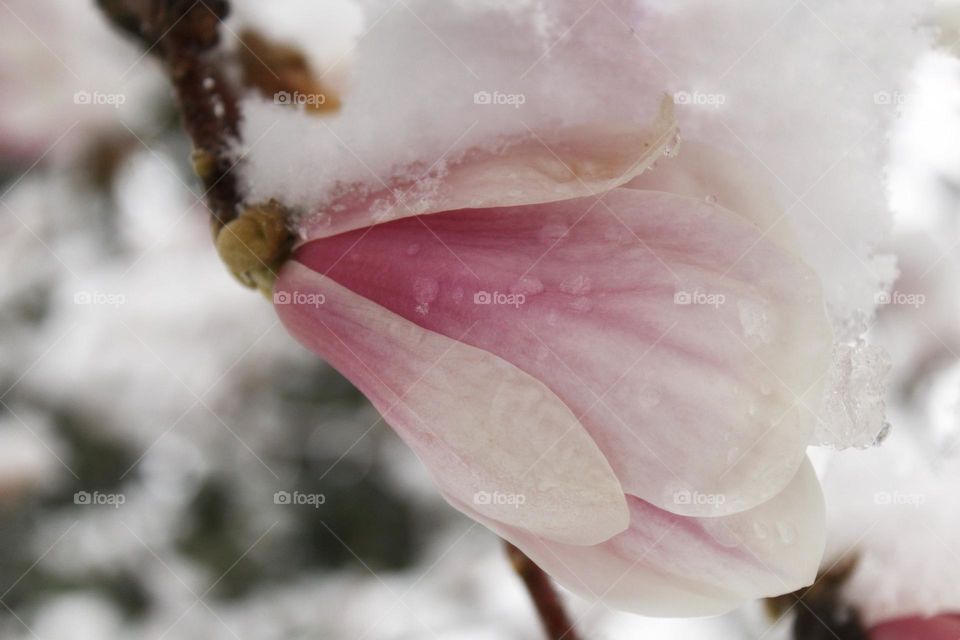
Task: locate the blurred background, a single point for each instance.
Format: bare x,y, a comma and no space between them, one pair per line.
173,465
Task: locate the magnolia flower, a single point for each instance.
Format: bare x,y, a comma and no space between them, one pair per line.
610,381
610,350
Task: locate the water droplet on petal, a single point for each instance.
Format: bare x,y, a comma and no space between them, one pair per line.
786,532
413,249
425,289
755,321
576,285
528,286
760,530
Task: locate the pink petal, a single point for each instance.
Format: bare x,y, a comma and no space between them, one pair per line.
703,171
670,565
530,169
491,435
680,398
946,627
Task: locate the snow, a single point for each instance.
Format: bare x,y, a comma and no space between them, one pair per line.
165,327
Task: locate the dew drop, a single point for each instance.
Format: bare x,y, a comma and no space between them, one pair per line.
576,285
755,321
425,290
712,199
413,249
786,532
760,530
528,286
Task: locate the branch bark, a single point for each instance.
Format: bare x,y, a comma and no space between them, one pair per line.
183,35
553,615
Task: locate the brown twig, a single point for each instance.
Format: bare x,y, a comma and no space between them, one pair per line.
545,598
183,34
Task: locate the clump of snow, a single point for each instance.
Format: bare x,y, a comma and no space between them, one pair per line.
893,508
854,408
429,82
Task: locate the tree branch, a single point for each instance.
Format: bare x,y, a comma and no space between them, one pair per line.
183,34
545,598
